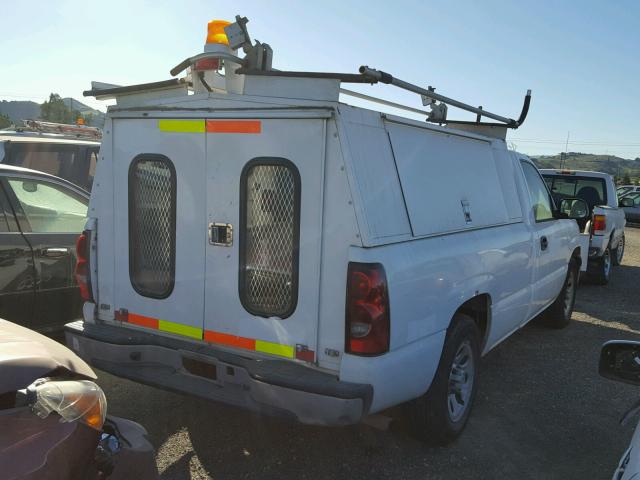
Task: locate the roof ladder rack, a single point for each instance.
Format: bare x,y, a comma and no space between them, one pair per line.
438,113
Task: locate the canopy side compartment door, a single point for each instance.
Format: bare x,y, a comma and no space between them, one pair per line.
158,210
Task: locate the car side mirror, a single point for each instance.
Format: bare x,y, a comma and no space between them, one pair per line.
575,208
620,360
626,202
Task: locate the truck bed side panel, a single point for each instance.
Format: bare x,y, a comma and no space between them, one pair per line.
428,281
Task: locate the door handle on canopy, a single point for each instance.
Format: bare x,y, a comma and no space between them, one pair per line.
55,252
221,234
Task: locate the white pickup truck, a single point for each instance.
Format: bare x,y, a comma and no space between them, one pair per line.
606,221
265,245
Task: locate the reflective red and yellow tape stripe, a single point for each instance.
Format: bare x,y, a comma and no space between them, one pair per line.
210,336
209,126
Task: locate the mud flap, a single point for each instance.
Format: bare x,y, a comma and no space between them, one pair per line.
583,241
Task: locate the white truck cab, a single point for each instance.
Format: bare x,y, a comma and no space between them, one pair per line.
253,240
606,222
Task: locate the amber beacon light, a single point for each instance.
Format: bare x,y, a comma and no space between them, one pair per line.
215,32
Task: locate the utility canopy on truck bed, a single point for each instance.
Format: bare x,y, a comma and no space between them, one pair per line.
253,240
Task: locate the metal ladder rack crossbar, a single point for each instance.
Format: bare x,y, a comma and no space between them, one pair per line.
381,101
380,76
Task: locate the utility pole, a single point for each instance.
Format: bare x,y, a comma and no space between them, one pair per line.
563,158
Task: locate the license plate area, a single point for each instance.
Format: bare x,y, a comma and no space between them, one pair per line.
199,368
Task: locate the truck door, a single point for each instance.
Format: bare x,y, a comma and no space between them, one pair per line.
263,221
158,209
550,263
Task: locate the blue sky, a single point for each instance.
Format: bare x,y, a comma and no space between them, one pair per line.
580,58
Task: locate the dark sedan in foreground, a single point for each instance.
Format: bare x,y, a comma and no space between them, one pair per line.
53,417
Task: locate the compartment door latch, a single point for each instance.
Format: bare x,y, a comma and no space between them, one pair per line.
221,234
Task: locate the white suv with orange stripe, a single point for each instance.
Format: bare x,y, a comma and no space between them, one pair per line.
256,242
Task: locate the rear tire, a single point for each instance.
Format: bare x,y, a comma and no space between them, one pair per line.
439,416
602,269
618,252
558,314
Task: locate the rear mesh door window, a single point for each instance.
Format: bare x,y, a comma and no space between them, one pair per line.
152,225
269,237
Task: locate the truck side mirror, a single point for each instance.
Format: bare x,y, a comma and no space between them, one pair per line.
575,208
626,202
620,360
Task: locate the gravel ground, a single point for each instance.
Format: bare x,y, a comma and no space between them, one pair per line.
542,411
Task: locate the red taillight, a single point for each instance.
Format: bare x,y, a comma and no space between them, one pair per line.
599,223
207,64
367,316
82,274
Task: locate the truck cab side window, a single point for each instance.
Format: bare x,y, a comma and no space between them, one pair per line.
538,193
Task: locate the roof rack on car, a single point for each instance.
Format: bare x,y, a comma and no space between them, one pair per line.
75,131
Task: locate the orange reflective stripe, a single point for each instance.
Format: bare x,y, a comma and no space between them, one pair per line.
143,321
229,340
234,126
216,337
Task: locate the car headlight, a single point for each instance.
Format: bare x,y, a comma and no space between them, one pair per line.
73,400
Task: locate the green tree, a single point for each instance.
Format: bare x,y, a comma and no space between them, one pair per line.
5,121
54,110
626,180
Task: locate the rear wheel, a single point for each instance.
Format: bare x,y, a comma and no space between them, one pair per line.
558,315
439,416
618,252
602,268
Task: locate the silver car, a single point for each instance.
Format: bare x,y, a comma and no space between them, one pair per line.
631,206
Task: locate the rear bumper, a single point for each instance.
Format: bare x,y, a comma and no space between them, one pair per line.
597,245
273,387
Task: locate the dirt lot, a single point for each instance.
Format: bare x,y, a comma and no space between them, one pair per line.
542,412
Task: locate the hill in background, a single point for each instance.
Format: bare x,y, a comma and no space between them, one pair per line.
18,111
616,166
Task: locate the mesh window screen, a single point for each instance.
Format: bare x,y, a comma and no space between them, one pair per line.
269,244
152,225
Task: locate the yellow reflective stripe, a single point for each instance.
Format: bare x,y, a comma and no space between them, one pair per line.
274,349
184,126
179,329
